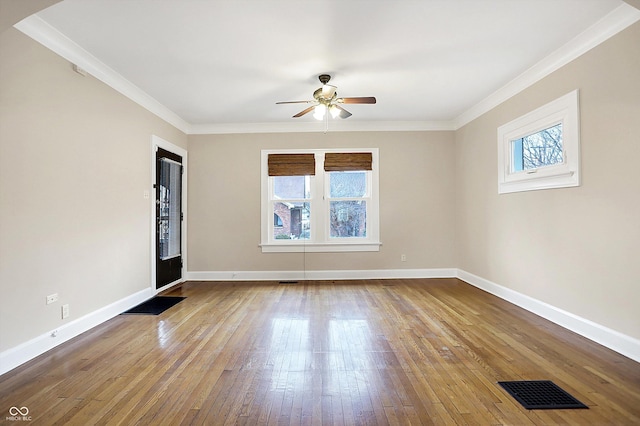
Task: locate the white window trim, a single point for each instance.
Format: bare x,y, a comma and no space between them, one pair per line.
563,110
370,243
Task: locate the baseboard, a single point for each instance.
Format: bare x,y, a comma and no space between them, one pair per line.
18,355
319,275
612,339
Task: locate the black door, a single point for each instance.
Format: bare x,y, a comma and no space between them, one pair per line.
168,217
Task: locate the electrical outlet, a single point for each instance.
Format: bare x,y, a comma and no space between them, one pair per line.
52,298
403,258
65,311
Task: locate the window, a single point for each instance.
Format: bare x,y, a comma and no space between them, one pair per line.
320,200
540,150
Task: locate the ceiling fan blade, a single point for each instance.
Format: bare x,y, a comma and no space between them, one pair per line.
304,111
358,100
343,112
294,102
328,91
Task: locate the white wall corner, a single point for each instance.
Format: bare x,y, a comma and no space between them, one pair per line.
18,355
612,339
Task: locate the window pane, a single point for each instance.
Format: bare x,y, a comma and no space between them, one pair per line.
347,184
277,221
540,149
170,216
348,219
293,223
288,187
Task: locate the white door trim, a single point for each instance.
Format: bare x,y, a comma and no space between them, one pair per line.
157,142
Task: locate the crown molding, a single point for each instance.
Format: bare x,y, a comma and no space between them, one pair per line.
319,127
611,24
51,38
39,30
616,21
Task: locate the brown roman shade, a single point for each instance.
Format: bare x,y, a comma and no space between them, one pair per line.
347,161
292,165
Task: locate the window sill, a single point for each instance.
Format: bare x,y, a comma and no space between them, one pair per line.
319,247
533,182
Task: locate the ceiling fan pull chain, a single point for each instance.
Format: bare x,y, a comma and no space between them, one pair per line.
326,123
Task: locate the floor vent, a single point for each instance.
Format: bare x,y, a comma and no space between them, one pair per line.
540,395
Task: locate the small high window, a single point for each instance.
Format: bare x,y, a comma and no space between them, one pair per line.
540,150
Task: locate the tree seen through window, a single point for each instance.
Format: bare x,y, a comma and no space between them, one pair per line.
540,149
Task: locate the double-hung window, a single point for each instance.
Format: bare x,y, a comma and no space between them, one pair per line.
320,200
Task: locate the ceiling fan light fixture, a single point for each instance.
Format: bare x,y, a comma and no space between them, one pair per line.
325,99
319,111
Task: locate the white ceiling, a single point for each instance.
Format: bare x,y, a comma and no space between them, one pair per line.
221,65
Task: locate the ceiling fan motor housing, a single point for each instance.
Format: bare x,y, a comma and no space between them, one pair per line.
317,95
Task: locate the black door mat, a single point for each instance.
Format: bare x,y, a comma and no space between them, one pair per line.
155,306
540,395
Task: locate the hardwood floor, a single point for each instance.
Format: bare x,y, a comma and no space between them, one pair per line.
423,351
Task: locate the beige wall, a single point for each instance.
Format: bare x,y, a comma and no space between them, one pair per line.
13,11
577,248
74,162
416,202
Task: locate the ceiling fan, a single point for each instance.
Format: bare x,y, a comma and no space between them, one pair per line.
325,99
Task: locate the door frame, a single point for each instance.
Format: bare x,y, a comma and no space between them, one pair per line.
157,142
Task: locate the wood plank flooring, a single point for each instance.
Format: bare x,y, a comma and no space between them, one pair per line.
375,352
